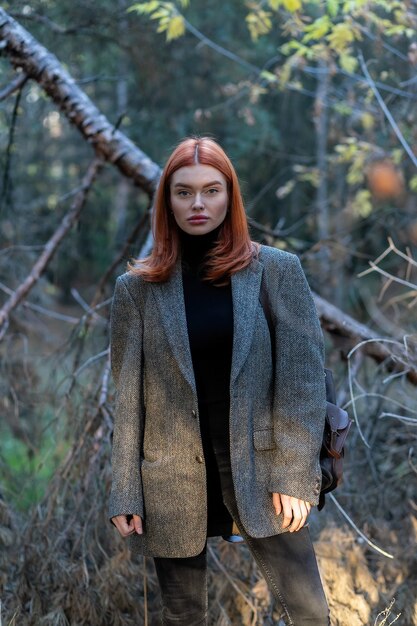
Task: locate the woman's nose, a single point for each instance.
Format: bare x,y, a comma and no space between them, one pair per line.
198,202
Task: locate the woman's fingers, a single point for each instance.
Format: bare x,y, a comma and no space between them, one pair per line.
286,510
126,528
122,525
295,511
300,514
137,521
276,501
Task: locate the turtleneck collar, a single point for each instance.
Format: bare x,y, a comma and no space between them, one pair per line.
194,248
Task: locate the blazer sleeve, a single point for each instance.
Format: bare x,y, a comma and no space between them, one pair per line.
126,333
299,388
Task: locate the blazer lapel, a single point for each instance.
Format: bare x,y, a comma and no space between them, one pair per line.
169,297
245,292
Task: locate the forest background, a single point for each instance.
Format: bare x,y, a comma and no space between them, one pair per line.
315,102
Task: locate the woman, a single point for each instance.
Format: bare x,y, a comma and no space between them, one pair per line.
208,430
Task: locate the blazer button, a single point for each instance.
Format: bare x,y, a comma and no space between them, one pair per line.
199,459
194,413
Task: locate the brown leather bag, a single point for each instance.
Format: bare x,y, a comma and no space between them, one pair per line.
337,423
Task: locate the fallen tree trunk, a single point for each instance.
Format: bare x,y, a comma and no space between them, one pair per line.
393,351
38,63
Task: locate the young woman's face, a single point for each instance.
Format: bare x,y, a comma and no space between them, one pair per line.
199,198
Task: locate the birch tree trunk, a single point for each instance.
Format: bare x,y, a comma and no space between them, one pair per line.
27,55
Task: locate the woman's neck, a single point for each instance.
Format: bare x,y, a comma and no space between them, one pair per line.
194,248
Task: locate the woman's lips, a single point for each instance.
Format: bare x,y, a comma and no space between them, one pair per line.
198,219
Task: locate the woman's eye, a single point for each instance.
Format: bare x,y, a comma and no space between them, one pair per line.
182,193
212,191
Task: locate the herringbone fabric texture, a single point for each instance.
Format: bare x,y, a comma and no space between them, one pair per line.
276,413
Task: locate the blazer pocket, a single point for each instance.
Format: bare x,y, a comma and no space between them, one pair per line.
264,439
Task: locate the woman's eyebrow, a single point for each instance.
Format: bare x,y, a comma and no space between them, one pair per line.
213,182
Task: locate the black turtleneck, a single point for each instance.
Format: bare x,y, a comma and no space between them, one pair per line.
209,313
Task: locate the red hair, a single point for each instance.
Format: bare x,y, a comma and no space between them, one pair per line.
234,249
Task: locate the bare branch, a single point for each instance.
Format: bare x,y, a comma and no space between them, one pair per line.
51,246
16,84
6,186
386,111
41,309
337,322
360,533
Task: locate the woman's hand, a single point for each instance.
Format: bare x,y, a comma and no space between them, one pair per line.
125,527
295,511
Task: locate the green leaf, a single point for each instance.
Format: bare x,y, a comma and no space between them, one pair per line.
343,108
332,7
318,29
268,76
275,4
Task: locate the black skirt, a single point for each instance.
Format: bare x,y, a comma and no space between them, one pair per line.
214,426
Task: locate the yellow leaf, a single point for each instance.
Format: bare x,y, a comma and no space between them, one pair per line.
176,28
274,4
161,13
397,156
348,62
285,74
255,92
356,172
259,23
413,184
292,5
361,204
340,37
144,7
285,189
368,121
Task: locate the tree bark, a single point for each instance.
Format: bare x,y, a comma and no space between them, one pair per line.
109,143
379,348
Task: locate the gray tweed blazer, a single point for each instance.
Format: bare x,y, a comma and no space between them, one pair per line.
276,413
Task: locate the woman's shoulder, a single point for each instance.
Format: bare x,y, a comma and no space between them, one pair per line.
276,256
130,278
133,282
